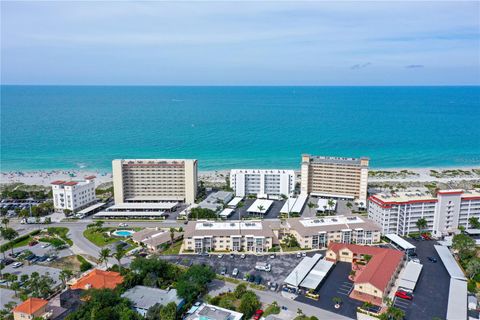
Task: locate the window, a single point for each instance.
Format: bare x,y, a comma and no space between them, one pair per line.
345,253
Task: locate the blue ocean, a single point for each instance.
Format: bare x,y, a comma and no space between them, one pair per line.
71,127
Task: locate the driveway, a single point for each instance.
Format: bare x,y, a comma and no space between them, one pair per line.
29,269
6,296
268,297
273,213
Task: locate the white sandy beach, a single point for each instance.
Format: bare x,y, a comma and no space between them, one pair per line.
44,177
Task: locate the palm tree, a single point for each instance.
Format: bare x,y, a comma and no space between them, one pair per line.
311,205
103,256
64,275
9,234
172,235
330,203
119,254
260,208
421,224
5,222
15,287
349,206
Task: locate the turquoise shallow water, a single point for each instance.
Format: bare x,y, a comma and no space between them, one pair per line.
55,127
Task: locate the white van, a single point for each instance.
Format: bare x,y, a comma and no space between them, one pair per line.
263,266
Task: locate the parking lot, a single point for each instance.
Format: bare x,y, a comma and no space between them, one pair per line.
431,293
274,211
281,265
336,285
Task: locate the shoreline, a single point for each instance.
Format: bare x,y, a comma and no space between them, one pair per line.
44,177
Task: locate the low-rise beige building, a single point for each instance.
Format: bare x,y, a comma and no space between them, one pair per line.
316,233
154,239
229,236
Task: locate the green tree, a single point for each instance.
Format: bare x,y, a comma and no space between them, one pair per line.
65,275
349,206
103,256
172,235
240,290
169,312
249,304
331,205
5,222
464,245
9,234
393,313
473,267
421,224
194,282
474,223
15,287
119,254
311,205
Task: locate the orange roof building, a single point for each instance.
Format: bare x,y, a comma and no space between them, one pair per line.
98,279
30,308
375,269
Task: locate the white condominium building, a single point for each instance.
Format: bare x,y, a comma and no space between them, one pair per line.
335,177
154,180
236,236
262,182
73,195
317,233
399,212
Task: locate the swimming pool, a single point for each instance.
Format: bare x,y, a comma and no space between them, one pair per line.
123,233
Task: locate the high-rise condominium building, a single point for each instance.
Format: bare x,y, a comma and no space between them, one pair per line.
399,212
335,177
73,195
154,180
262,182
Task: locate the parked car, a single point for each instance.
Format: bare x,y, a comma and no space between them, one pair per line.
15,254
258,279
123,225
51,258
220,256
232,256
7,261
46,245
404,294
17,265
304,254
426,237
223,271
32,243
299,255
257,315
30,257
43,258
235,272
272,256
272,286
242,256
432,259
416,260
251,278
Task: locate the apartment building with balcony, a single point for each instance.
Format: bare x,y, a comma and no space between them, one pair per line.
236,236
446,211
154,180
318,233
335,177
73,195
262,182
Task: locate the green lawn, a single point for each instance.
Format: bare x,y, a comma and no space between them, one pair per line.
97,236
23,242
173,249
62,233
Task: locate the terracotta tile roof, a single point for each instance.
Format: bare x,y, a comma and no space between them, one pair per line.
30,306
70,183
58,182
379,269
98,279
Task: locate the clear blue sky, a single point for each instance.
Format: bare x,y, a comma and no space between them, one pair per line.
244,43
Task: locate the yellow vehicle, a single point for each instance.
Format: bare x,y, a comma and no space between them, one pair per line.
312,295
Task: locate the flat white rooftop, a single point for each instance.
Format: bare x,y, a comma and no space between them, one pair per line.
226,213
264,204
330,221
235,201
233,225
91,208
332,195
450,263
294,204
301,270
144,206
410,275
129,214
404,244
457,300
317,274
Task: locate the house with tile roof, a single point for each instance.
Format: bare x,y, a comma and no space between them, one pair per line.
374,269
30,308
97,279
